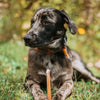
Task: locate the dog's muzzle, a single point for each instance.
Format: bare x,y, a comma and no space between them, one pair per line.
29,39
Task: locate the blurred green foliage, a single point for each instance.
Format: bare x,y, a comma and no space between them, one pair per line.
15,18
13,69
85,13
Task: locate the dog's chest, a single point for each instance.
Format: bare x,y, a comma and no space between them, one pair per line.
53,63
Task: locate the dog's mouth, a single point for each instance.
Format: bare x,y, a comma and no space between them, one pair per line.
39,44
43,43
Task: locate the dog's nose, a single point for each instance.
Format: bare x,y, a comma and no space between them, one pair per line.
27,38
32,37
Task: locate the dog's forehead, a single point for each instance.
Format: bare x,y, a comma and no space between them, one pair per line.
47,12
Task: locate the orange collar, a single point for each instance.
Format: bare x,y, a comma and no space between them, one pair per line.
51,51
47,50
65,52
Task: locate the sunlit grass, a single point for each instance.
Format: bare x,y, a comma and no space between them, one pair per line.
13,69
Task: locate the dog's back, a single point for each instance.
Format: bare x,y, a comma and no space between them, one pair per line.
79,65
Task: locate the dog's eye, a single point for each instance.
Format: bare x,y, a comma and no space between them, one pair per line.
46,23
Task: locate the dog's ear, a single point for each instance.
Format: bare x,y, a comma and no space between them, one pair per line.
69,21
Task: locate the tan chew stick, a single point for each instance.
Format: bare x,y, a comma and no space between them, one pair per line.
48,84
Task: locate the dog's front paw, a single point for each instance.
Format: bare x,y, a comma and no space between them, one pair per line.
58,96
43,97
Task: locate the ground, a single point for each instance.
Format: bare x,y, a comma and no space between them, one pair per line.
13,68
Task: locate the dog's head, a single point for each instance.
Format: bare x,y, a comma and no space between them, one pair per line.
47,28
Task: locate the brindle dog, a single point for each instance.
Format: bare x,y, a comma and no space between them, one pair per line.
48,32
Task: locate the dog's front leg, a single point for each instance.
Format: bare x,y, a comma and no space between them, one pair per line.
35,90
64,91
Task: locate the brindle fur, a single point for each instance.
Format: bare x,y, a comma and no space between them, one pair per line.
47,31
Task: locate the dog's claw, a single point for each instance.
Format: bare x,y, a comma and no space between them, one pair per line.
57,96
43,98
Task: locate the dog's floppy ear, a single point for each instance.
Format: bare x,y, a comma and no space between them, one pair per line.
69,21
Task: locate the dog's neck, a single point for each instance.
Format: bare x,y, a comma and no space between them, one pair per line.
48,50
55,50
52,50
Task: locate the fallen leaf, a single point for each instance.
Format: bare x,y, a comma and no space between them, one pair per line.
97,64
90,64
81,31
26,25
25,58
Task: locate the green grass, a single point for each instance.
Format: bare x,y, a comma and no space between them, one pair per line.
13,70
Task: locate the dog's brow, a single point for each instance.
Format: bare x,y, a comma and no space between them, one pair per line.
48,13
50,17
52,20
